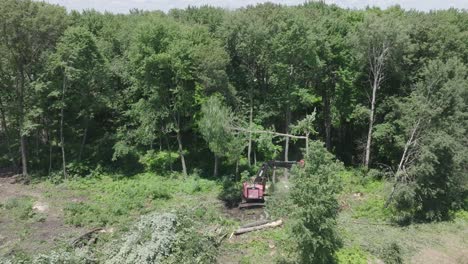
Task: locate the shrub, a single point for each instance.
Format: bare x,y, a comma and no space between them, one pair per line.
158,160
353,255
231,193
391,254
314,193
78,169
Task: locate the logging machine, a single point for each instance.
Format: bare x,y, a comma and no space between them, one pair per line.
253,191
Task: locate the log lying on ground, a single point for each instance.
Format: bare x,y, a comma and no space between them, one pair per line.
261,222
85,238
243,230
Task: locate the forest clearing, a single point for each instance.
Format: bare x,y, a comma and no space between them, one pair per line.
71,209
271,133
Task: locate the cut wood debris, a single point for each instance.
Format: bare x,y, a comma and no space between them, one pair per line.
260,225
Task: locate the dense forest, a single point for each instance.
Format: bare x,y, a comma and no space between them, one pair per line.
216,92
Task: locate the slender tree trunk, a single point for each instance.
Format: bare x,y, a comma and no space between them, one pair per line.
255,158
371,125
286,142
62,116
181,153
7,136
169,149
23,141
83,141
288,119
50,152
376,62
24,156
249,150
215,169
404,158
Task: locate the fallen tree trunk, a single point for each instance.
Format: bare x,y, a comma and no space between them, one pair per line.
261,222
259,227
85,238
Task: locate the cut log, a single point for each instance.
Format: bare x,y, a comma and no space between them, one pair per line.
259,227
261,222
85,238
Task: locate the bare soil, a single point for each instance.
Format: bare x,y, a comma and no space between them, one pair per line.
38,234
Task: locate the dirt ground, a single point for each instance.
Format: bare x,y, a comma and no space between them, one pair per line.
36,235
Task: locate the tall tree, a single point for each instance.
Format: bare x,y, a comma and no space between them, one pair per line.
77,66
28,29
379,42
430,175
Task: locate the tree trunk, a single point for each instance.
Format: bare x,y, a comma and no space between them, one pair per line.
286,142
181,153
62,116
215,169
376,62
7,136
371,125
170,151
24,156
23,141
249,149
259,227
50,152
404,157
83,141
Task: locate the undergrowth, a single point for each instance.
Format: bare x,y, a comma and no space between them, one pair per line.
110,201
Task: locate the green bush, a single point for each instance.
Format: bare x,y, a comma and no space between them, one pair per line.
391,254
352,255
314,196
231,193
158,161
78,169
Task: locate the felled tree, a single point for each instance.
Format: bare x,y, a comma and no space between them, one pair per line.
314,193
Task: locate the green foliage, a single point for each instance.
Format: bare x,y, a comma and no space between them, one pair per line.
150,241
166,238
437,176
391,254
215,124
158,161
314,194
373,209
351,255
113,201
232,191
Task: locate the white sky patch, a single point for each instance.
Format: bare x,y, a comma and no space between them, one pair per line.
123,6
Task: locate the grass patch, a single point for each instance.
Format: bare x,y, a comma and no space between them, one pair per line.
20,208
111,201
352,255
373,209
